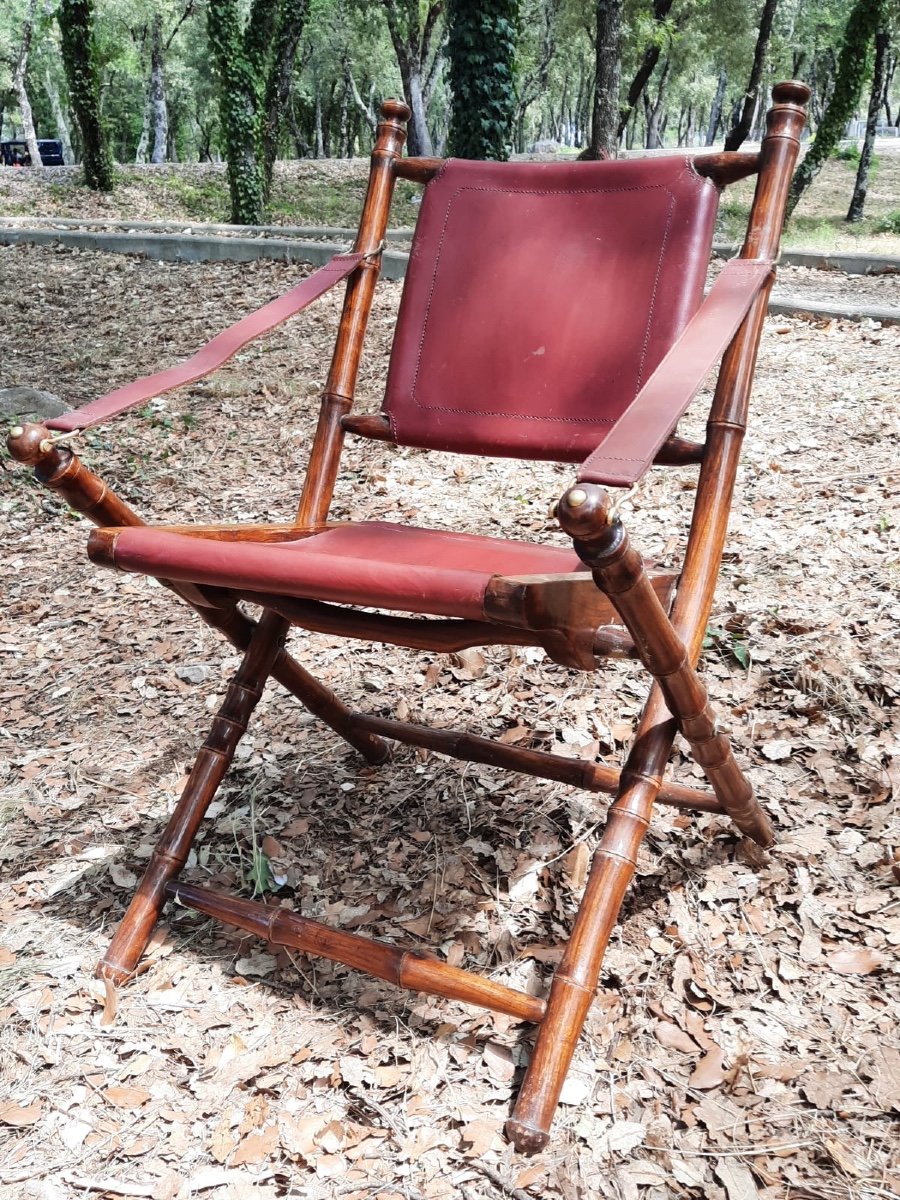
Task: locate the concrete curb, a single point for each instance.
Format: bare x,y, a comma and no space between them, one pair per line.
848,264
196,248
196,228
796,306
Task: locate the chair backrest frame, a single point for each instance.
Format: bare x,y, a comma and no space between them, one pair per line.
773,166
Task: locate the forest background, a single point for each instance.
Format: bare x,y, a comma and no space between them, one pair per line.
170,81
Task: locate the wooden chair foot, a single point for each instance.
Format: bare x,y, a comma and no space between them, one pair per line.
212,761
525,1138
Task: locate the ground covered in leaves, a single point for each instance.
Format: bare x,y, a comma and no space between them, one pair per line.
744,1043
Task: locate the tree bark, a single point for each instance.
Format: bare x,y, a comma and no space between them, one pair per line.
158,105
76,25
481,50
715,113
661,9
861,187
18,82
865,19
59,118
605,131
738,135
653,110
412,36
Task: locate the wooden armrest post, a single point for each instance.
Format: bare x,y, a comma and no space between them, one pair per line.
602,544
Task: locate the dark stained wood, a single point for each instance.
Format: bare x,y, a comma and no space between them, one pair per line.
591,776
573,617
341,383
529,1127
405,968
726,168
674,452
59,469
419,170
618,569
370,425
213,760
446,636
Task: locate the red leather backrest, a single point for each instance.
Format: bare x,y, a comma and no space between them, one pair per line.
540,297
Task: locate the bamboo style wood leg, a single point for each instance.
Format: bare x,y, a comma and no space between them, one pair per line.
575,982
59,469
603,544
212,761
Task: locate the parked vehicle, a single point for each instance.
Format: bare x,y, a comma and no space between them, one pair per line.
15,153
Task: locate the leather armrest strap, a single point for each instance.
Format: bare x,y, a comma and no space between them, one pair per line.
216,352
631,445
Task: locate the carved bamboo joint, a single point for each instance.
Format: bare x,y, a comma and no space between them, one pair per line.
602,543
410,969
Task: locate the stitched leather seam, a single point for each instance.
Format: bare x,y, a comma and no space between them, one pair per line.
659,266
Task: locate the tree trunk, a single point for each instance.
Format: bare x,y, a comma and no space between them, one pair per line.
653,111
481,50
858,201
865,19
320,138
715,113
738,134
250,59
158,106
140,154
18,82
413,29
277,95
645,70
76,25
605,115
59,118
419,137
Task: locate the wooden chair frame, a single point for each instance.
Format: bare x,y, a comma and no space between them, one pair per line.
568,617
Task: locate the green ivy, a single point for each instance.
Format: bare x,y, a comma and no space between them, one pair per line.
481,49
854,66
76,26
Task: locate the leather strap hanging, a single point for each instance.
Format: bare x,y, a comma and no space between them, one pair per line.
631,445
216,352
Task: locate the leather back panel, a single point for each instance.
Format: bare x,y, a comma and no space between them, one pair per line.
540,297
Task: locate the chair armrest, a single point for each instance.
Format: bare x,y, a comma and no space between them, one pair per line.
631,445
216,352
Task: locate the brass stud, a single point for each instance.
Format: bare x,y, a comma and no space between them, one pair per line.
17,431
576,497
554,508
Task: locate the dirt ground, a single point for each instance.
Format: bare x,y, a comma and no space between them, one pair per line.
744,1042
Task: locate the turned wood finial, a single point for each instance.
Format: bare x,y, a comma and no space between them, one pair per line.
395,110
791,91
583,511
29,443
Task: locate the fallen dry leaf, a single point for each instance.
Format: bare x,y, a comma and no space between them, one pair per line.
855,962
127,1097
710,1070
20,1115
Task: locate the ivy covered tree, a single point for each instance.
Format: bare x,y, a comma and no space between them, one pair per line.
251,57
76,26
854,64
482,49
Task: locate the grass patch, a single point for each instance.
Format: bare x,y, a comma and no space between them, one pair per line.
203,198
323,201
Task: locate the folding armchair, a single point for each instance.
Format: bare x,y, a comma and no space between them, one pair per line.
550,311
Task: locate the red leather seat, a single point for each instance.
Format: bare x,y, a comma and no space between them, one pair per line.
376,563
